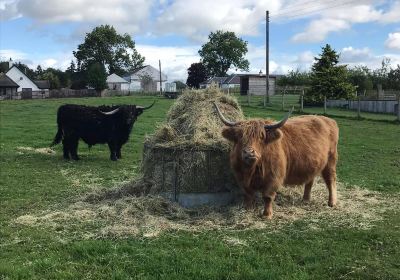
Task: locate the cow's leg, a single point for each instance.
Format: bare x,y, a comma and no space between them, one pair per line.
118,153
249,199
307,191
66,144
329,175
113,151
268,197
74,148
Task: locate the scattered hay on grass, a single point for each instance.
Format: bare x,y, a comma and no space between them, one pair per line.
44,151
148,216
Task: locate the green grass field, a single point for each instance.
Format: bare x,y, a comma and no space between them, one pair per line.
32,182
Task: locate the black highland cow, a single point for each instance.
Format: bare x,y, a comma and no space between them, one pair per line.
95,125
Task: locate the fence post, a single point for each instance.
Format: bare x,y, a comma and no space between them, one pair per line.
325,105
358,107
283,101
248,98
302,101
398,107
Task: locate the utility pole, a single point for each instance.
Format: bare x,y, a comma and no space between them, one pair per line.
266,96
159,66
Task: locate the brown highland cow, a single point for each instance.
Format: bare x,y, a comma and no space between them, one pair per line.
266,155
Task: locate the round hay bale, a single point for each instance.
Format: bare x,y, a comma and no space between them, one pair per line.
187,159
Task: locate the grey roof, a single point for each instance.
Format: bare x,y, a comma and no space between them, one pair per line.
232,79
6,82
218,80
42,84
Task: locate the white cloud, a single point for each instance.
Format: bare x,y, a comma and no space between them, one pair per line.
393,41
351,55
60,60
174,60
319,29
126,15
341,17
195,20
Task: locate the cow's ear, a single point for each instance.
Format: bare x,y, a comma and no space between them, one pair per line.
273,135
231,133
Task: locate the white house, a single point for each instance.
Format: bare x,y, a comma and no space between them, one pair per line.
146,78
19,77
27,87
115,82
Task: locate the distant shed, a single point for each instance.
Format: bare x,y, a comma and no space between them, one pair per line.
254,84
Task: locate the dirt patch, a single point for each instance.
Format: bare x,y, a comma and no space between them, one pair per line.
148,216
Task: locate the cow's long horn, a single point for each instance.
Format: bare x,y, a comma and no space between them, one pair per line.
111,112
223,119
280,123
145,108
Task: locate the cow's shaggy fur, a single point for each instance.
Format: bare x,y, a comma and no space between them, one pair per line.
263,160
90,124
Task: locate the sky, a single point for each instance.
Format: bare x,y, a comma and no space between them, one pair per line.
46,32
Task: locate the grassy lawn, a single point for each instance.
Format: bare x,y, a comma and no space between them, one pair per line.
32,181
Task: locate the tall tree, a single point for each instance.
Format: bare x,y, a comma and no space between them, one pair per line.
360,76
39,71
295,78
115,52
394,78
222,51
197,73
97,76
329,79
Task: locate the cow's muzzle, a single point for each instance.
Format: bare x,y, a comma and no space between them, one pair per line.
249,156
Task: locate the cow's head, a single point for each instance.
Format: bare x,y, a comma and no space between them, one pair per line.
250,137
128,112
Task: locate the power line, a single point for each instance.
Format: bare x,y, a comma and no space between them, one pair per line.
295,15
292,8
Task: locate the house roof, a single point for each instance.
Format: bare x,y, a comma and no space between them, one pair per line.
262,75
232,79
6,82
42,84
114,78
218,80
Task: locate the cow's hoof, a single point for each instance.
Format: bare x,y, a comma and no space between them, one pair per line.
267,215
331,203
306,201
75,158
114,159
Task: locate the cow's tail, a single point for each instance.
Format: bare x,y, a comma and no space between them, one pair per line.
58,137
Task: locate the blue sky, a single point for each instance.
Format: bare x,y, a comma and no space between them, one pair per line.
46,32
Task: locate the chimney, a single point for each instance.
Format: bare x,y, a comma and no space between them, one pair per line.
10,63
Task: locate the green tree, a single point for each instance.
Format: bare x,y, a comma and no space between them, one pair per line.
394,78
52,78
97,76
380,76
295,78
115,52
360,77
222,51
329,79
39,71
197,73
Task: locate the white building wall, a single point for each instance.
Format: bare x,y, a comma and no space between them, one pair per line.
257,86
21,79
125,86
